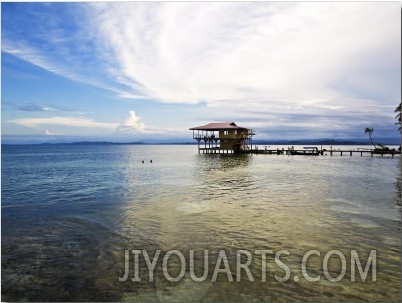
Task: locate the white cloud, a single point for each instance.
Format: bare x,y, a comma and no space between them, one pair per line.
287,52
36,57
261,62
49,133
131,124
187,52
64,121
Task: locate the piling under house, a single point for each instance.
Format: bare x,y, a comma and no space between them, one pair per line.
215,138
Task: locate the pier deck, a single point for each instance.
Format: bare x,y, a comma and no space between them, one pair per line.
333,152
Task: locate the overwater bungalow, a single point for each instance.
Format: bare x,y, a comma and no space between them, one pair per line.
215,138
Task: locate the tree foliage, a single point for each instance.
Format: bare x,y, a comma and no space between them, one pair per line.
370,131
398,116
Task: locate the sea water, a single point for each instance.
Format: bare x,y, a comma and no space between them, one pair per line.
71,212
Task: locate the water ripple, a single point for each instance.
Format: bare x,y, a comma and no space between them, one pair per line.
70,213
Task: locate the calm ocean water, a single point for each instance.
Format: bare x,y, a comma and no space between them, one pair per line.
69,212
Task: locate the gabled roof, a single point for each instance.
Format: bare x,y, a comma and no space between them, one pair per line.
218,126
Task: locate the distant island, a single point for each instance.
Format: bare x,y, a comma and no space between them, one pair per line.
389,141
357,141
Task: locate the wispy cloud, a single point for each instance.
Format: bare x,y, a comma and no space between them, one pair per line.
293,52
191,52
65,121
30,107
34,107
40,35
300,64
131,125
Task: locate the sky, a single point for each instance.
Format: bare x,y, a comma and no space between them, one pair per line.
135,71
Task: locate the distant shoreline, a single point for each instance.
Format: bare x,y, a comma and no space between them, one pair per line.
391,141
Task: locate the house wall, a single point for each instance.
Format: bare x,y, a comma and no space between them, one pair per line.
232,134
227,144
232,139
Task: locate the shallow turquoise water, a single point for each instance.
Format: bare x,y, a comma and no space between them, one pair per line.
70,212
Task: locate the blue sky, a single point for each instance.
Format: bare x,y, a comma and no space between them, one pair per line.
129,71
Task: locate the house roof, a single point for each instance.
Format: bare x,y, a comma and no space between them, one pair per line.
218,126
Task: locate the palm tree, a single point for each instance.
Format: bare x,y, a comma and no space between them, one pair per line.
398,116
370,131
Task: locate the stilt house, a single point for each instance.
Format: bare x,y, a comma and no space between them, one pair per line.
223,138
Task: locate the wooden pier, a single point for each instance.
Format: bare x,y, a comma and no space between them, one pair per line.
216,150
229,138
301,152
325,152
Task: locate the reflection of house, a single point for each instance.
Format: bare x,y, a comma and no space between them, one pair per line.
223,138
